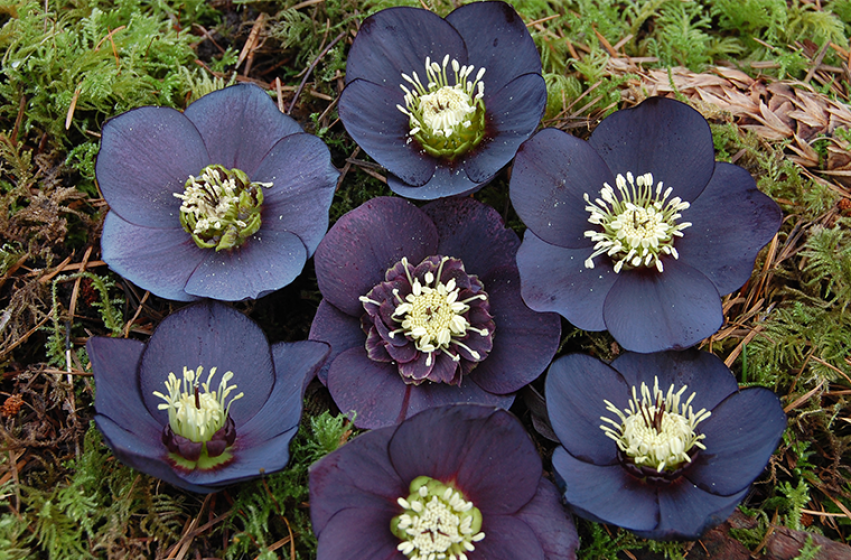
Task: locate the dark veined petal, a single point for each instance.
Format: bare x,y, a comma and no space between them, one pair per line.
361,532
731,221
551,173
551,523
687,512
363,244
239,125
209,334
398,40
507,538
159,260
661,136
607,494
576,388
648,311
267,261
146,155
497,40
299,167
555,279
741,435
485,451
513,113
448,180
337,329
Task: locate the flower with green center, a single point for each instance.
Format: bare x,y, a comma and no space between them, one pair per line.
438,522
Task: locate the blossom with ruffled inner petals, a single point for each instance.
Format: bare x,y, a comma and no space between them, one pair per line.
665,444
638,231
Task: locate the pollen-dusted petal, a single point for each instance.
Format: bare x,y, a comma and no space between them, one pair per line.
448,180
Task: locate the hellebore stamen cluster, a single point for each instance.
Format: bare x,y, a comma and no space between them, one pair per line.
221,207
438,522
656,431
639,223
447,120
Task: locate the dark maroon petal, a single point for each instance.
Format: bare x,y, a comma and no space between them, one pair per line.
513,113
507,538
363,244
370,115
704,373
551,173
209,334
448,180
649,312
360,532
142,453
551,524
146,155
239,125
159,260
686,512
267,261
497,39
555,279
741,435
525,341
485,451
576,387
374,391
660,136
607,494
337,329
474,233
731,221
431,395
398,40
299,167
359,474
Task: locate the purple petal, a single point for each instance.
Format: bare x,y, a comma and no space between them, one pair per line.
337,329
209,334
146,155
741,435
304,181
686,512
432,395
474,233
359,474
525,341
448,180
507,538
607,494
550,522
239,125
370,116
361,532
374,391
363,244
267,261
705,374
514,113
731,221
552,172
661,136
496,39
484,451
398,40
159,260
649,312
555,279
576,387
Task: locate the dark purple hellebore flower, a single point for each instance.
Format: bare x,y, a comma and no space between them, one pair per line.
443,104
226,200
454,482
170,408
664,445
422,307
638,231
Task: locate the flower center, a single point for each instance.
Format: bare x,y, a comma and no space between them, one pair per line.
447,120
199,426
438,522
638,224
658,430
221,207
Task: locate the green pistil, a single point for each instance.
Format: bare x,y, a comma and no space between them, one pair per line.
221,207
